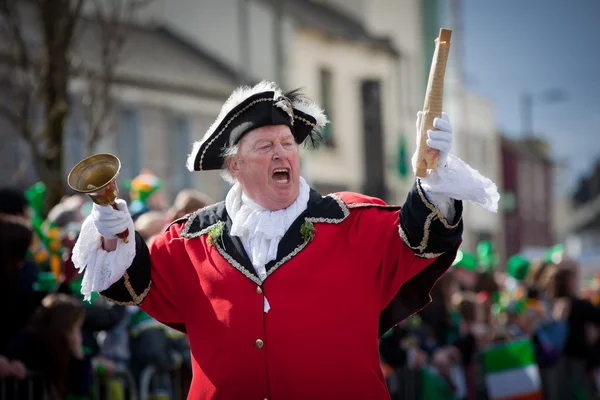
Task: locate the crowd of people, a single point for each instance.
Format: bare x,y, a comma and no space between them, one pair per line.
530,331
479,315
78,347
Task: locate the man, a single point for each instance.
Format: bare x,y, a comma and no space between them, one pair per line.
283,292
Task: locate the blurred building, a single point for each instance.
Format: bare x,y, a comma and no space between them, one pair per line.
170,93
583,224
365,61
357,59
478,143
527,189
353,75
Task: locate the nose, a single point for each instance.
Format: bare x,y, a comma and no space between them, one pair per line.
278,151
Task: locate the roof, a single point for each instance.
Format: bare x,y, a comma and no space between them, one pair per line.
155,57
332,22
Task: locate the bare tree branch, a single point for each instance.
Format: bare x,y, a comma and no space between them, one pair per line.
73,22
110,16
8,8
38,62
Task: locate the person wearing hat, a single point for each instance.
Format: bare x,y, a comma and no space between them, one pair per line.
263,282
145,193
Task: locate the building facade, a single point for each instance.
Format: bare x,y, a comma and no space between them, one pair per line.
527,195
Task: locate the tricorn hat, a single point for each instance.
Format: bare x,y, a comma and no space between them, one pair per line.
249,108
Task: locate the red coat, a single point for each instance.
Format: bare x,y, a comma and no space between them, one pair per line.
331,296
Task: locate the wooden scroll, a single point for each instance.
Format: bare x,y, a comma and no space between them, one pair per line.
426,156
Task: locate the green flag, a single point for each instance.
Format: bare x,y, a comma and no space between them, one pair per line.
465,260
517,267
402,158
433,386
486,256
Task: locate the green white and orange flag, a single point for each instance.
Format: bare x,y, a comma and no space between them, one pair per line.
511,372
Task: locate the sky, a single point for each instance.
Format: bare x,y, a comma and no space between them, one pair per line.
517,46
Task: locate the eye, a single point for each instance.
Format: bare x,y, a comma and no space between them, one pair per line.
288,144
264,147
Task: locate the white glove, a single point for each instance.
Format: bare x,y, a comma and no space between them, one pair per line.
439,139
110,222
454,179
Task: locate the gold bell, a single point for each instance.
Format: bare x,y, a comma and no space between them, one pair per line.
96,176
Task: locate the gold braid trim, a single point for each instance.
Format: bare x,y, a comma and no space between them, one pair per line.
435,214
137,300
307,122
434,209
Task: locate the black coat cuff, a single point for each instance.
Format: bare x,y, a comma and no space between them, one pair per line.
134,285
424,228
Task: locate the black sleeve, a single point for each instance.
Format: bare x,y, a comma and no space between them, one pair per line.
424,228
133,287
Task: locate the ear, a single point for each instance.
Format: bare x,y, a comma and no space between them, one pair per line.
234,166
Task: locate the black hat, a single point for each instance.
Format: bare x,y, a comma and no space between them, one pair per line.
249,108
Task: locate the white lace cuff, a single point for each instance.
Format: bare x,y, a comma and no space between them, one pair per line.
102,268
461,182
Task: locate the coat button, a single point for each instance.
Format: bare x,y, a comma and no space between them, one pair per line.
259,343
259,290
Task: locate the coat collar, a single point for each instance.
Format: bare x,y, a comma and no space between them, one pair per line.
214,222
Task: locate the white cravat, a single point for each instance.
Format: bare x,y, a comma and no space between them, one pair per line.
260,229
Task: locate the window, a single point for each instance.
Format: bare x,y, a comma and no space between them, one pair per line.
179,137
129,143
326,82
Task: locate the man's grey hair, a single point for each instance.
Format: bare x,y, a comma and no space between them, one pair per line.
229,153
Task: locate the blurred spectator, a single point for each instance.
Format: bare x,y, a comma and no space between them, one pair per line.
149,224
536,280
151,345
578,313
100,315
438,325
186,202
13,202
145,191
16,307
52,344
68,216
67,211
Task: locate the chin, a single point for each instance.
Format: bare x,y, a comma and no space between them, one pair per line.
283,198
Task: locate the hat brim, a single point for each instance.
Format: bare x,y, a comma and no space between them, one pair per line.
265,108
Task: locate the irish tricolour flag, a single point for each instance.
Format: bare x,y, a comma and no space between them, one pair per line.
511,372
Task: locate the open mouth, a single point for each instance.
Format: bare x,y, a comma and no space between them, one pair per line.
281,175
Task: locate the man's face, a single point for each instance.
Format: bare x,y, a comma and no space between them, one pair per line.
268,166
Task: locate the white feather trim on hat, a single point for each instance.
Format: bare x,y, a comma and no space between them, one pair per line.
313,110
237,97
